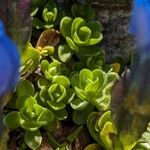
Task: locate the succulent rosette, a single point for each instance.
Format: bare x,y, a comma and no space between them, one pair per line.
29,115
52,69
93,87
49,15
56,94
104,131
81,36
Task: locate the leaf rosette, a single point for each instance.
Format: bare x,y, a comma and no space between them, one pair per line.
103,130
93,87
81,36
49,16
52,69
30,115
56,94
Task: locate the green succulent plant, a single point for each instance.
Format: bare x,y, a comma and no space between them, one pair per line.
49,16
84,11
29,115
36,6
46,51
92,87
52,69
103,130
30,59
56,94
81,37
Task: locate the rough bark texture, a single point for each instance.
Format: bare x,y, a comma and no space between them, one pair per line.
115,17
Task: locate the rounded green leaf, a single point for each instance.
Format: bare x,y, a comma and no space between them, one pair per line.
101,76
56,106
72,44
61,80
33,139
33,55
91,89
106,117
44,65
82,36
108,129
12,119
78,104
81,94
44,94
65,26
25,100
64,53
93,41
76,25
84,77
42,82
46,117
25,87
91,121
48,15
30,125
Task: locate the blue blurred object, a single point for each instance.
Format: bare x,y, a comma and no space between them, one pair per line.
130,104
140,22
9,62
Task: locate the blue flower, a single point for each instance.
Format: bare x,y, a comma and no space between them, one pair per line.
9,62
140,22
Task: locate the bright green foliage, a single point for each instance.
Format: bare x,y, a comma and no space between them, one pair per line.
103,130
30,59
70,78
81,37
78,32
56,94
30,115
92,87
83,11
49,16
52,69
47,51
25,87
33,139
